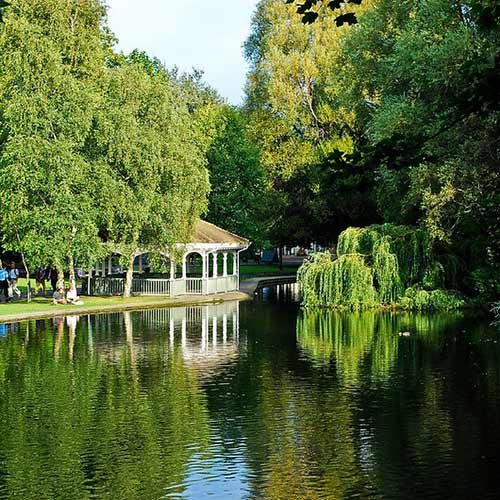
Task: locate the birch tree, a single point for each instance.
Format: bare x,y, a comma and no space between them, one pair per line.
155,152
51,65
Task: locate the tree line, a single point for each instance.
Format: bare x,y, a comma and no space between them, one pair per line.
389,119
102,152
392,119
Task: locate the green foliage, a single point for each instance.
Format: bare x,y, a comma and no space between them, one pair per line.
3,4
156,154
417,299
237,199
294,117
427,70
402,111
386,271
97,150
400,255
485,283
51,64
346,282
375,266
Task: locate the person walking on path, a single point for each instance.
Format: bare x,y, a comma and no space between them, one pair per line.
4,284
13,277
40,275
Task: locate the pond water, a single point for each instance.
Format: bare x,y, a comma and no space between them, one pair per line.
252,400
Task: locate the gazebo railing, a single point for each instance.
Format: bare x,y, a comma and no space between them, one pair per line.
162,287
222,284
150,286
194,286
106,286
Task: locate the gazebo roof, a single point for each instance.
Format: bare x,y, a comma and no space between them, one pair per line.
205,232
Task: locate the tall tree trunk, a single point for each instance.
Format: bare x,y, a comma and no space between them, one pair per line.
72,279
60,276
26,269
28,281
127,290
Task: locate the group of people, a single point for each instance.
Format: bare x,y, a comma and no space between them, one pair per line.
60,295
43,274
68,297
9,276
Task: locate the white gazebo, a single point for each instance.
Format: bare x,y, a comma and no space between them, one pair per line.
218,251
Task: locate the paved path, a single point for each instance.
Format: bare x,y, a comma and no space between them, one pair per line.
247,290
250,286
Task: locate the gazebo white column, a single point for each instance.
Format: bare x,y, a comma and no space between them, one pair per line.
215,264
183,333
172,269
235,263
184,266
204,270
224,265
110,267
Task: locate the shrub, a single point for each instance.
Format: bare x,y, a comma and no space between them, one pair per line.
417,299
346,282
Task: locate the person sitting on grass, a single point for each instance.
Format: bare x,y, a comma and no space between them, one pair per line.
58,297
72,296
40,277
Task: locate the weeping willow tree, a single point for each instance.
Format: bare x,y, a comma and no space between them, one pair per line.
343,282
379,265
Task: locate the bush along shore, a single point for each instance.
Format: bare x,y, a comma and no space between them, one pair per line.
384,266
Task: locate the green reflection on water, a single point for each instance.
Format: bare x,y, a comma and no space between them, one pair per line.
366,343
82,421
319,405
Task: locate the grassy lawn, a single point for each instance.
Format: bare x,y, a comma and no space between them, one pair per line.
253,270
23,285
43,304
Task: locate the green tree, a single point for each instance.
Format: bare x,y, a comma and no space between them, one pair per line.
155,151
51,65
401,123
293,101
237,199
419,80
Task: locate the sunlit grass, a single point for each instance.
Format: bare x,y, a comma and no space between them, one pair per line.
44,304
255,270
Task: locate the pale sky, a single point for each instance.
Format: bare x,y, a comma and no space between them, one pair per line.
201,34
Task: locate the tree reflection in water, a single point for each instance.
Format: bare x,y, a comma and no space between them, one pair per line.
271,403
107,406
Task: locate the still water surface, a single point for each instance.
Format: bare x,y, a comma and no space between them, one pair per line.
253,400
